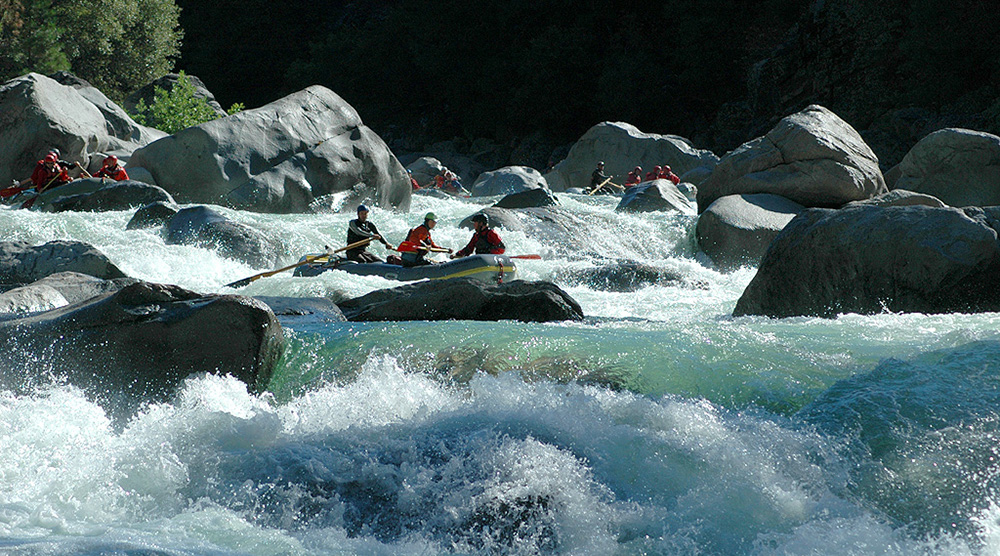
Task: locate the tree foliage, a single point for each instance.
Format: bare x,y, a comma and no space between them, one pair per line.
117,45
176,109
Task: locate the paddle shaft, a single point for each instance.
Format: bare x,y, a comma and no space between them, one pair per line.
596,189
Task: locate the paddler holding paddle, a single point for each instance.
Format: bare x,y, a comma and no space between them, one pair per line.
418,243
484,241
361,228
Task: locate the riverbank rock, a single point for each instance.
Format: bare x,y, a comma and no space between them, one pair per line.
900,198
812,157
209,228
139,343
22,263
279,158
736,230
147,93
959,166
95,195
653,196
869,259
152,215
622,147
425,169
299,309
531,198
465,299
58,290
508,180
40,114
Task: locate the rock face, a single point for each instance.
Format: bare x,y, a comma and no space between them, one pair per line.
39,114
531,198
279,158
958,166
139,343
58,290
871,259
208,228
465,299
736,230
94,194
425,169
622,147
22,263
508,180
900,198
656,195
813,158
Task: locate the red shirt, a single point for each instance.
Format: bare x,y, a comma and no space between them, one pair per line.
632,179
486,242
43,177
670,176
418,237
117,173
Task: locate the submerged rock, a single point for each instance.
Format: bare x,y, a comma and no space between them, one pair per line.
869,259
209,228
539,197
152,215
465,299
139,343
623,276
95,194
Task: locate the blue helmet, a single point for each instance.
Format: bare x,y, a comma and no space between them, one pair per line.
362,208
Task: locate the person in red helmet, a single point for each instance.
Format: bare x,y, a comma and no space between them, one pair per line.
634,177
484,241
48,173
666,174
653,174
112,169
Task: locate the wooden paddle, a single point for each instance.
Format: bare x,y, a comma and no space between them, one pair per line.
84,170
307,260
530,257
596,189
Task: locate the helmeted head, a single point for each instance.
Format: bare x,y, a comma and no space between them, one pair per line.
362,208
637,169
666,168
111,161
430,220
600,164
362,213
481,218
50,158
656,169
56,152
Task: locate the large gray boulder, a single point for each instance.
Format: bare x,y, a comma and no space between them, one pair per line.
736,230
622,276
959,166
900,198
95,194
465,299
870,259
152,215
209,228
622,147
812,157
22,263
279,158
58,290
508,180
139,343
425,169
655,196
531,198
40,114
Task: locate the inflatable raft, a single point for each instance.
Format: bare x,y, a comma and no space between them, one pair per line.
492,269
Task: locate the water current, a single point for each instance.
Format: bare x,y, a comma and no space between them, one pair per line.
658,425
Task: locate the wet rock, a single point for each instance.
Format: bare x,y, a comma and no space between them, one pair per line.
539,197
812,157
653,196
139,343
869,259
22,263
278,158
623,276
900,198
58,290
208,228
309,308
508,180
152,215
465,299
94,195
736,230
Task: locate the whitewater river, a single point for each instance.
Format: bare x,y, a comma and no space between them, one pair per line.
658,425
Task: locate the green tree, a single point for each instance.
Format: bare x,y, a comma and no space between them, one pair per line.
174,110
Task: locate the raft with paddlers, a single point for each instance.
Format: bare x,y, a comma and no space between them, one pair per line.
492,269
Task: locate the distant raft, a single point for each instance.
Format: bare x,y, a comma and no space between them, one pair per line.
492,269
